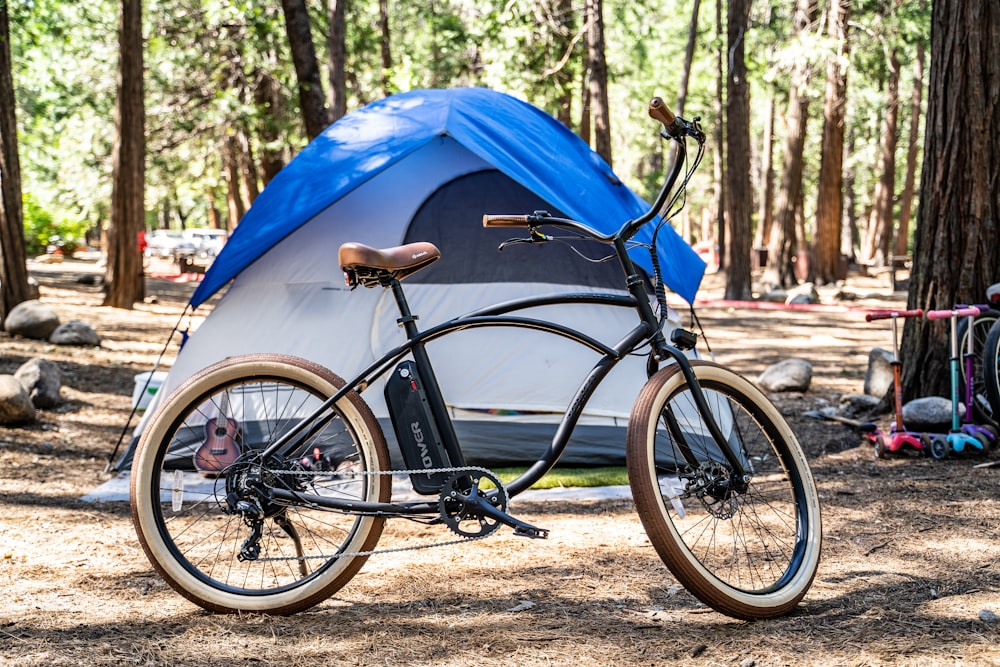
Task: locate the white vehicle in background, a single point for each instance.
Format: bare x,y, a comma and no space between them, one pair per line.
166,243
207,242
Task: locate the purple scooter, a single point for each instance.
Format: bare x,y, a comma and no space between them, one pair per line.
957,441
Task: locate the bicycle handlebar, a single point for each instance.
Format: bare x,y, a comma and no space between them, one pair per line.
886,314
957,312
658,110
675,128
506,220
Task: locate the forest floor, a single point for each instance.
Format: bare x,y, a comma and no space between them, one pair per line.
909,573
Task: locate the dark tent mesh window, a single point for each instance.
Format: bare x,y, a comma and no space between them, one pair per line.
452,219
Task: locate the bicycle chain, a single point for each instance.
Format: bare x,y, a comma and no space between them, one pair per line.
370,473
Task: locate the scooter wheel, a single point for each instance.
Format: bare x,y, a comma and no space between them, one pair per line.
940,448
925,441
880,450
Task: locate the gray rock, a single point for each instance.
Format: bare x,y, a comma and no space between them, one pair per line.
776,295
31,319
787,375
15,405
75,333
42,380
878,377
804,293
928,413
854,406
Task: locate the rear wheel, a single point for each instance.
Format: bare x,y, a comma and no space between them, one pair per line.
749,549
221,537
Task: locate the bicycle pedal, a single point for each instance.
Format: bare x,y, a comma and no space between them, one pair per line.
526,530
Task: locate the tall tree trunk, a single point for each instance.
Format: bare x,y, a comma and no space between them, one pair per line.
765,207
337,55
124,280
13,268
879,230
906,197
585,124
564,43
267,96
231,169
829,200
738,194
300,41
596,63
719,136
958,221
682,90
383,28
248,169
782,246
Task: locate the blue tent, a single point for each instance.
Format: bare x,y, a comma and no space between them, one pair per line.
425,166
523,142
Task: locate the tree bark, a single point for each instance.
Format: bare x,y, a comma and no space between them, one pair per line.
829,200
738,195
124,280
719,136
783,244
311,101
267,97
958,221
906,197
13,268
682,90
765,207
596,63
383,27
231,169
875,247
337,48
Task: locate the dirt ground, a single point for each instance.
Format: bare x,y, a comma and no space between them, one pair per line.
909,572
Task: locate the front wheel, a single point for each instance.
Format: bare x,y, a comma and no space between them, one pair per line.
748,549
204,500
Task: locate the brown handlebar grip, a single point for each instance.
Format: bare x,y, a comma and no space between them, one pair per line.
505,220
658,110
886,314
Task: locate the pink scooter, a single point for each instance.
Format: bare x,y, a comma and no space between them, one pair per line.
898,438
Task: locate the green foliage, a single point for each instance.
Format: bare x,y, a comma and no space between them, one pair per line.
206,61
567,477
41,228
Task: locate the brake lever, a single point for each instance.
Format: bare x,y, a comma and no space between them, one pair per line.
535,237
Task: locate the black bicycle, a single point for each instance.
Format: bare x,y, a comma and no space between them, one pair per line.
293,483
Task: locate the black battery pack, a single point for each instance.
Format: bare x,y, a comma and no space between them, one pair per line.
416,431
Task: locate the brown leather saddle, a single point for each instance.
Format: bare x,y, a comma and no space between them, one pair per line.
373,267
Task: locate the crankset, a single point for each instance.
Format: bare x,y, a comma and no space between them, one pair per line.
474,504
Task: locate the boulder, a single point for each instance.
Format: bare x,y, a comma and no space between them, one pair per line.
858,406
804,293
31,319
931,413
15,405
878,377
787,375
42,380
75,333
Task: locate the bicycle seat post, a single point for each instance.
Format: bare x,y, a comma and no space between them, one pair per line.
435,400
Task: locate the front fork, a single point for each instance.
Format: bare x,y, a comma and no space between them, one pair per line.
683,341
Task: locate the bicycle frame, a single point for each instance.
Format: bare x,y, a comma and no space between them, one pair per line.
647,331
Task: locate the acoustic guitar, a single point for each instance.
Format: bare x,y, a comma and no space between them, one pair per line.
221,446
